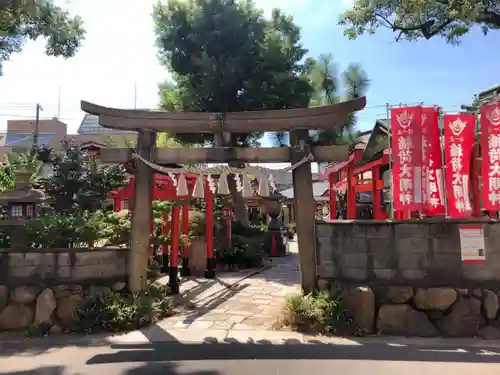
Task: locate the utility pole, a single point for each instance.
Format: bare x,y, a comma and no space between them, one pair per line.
135,94
37,126
59,102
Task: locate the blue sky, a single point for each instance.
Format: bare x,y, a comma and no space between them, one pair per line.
119,50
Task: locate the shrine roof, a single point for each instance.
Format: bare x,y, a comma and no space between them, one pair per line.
379,138
319,189
492,91
90,125
25,140
92,144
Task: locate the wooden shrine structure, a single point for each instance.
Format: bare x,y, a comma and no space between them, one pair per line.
362,171
222,125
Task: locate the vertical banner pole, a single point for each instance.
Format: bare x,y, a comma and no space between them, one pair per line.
443,166
391,187
477,180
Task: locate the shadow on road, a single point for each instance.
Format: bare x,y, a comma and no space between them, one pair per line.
292,349
213,301
147,369
49,370
37,346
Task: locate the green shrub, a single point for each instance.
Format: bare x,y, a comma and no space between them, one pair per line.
115,227
63,230
318,313
240,230
87,229
245,252
117,312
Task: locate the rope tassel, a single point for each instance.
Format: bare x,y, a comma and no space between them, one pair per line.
223,187
199,188
272,183
211,184
247,191
182,186
239,185
264,186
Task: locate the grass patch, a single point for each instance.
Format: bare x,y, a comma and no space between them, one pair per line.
316,313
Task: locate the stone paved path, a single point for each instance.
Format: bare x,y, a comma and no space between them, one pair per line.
233,303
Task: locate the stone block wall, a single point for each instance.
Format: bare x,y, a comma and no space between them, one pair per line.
45,287
417,253
58,266
407,278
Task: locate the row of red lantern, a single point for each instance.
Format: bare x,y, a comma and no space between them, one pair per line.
420,183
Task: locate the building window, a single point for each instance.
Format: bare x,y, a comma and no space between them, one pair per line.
16,210
30,210
124,204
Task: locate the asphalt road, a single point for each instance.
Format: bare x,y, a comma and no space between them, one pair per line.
248,359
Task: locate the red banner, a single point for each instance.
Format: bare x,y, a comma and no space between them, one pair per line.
458,141
490,155
407,158
432,162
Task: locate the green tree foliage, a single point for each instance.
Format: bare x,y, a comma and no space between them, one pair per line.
130,141
327,91
414,19
78,183
224,56
33,19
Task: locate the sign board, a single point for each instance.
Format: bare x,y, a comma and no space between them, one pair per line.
472,243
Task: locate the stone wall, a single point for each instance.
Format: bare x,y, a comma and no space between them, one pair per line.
62,266
407,278
425,312
418,253
44,287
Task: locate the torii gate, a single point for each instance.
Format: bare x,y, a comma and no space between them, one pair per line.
297,121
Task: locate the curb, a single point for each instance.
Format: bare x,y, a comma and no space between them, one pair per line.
157,335
192,336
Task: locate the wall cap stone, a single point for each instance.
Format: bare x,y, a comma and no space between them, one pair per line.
63,250
486,220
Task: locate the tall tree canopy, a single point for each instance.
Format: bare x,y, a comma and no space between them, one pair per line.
22,19
327,91
224,56
413,19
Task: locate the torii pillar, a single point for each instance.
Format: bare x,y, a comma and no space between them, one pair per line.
142,212
305,211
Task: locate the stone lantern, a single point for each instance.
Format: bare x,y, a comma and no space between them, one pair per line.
21,201
274,244
21,204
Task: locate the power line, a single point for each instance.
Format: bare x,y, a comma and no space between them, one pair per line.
27,117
